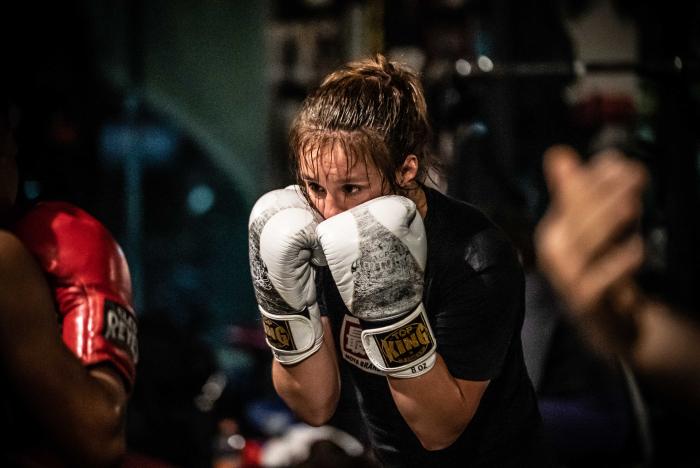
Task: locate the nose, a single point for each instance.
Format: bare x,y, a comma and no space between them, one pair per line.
331,207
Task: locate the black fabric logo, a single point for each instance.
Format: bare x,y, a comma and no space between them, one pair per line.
405,344
120,328
279,334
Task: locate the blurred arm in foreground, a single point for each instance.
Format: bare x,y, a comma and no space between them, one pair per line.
589,248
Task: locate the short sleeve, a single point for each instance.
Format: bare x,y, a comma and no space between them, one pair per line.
477,305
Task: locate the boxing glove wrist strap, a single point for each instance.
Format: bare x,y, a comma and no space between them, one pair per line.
403,349
293,337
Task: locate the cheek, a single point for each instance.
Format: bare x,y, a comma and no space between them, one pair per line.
366,196
315,202
379,189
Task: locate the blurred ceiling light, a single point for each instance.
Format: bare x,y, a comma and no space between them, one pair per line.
485,64
463,67
200,199
678,63
32,189
478,128
236,442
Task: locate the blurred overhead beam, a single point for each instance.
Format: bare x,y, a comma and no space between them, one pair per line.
203,67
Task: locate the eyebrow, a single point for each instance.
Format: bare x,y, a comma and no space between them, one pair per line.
356,180
356,177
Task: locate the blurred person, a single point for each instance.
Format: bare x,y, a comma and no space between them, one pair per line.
588,406
422,295
589,248
68,345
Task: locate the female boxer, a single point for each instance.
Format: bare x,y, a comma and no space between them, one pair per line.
421,296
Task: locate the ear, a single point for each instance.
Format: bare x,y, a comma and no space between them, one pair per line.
406,174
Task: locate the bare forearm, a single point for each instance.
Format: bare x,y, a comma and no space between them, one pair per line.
436,417
666,349
81,413
108,418
311,388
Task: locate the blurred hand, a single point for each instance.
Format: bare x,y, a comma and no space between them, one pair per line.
587,243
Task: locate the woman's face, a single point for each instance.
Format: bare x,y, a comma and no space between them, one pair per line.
335,184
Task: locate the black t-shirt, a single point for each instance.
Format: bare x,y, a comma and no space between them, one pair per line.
474,297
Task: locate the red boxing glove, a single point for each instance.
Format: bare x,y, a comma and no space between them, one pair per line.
90,278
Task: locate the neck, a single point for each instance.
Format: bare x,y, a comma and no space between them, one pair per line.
417,195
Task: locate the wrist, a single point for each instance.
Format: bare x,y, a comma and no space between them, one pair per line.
403,348
293,337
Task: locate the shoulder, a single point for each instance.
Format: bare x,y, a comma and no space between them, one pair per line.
13,252
459,230
18,268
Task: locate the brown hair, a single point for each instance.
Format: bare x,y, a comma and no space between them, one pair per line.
375,111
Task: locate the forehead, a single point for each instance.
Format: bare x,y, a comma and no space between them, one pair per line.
333,159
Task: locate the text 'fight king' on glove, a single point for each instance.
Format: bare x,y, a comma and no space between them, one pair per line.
282,246
377,252
90,279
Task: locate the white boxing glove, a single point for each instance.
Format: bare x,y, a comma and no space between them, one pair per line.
377,253
282,247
